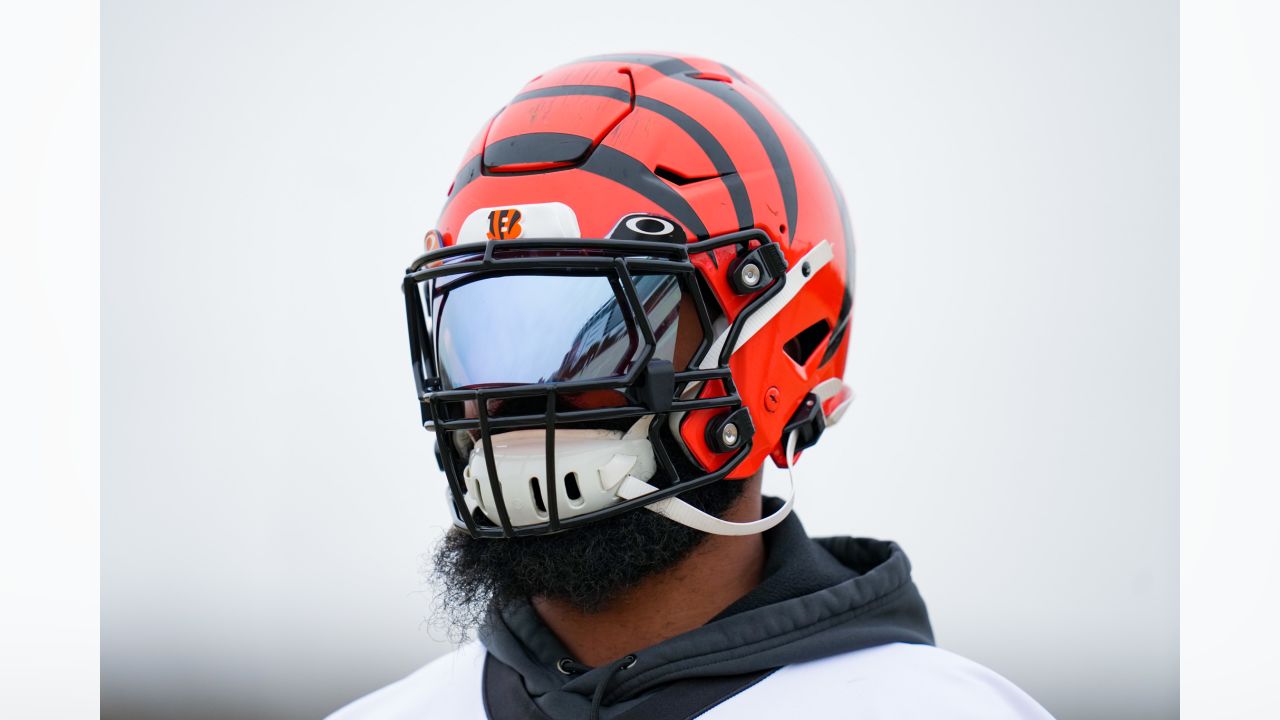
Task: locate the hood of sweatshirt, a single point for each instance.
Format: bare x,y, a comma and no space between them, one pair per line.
820,597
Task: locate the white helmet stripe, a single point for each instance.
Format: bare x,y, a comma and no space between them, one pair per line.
815,259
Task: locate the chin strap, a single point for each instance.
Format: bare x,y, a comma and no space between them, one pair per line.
677,510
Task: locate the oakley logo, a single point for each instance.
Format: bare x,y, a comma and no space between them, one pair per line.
650,225
504,224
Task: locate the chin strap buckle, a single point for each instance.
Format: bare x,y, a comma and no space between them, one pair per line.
806,424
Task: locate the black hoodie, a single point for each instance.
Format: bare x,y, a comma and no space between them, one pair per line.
820,597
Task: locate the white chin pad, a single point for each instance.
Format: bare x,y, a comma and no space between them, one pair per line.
594,469
590,466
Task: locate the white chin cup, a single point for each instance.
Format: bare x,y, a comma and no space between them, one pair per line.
594,469
590,466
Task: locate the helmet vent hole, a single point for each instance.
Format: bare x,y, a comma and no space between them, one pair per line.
713,76
571,488
782,229
801,347
678,178
536,488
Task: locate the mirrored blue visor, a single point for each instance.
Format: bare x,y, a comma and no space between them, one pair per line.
516,329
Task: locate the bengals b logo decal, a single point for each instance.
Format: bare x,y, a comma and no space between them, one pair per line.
504,224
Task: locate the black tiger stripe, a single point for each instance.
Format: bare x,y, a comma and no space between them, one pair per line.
625,170
714,151
732,73
619,167
846,236
846,231
842,326
568,90
764,132
471,170
558,149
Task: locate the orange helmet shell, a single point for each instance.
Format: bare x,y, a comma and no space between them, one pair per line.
691,140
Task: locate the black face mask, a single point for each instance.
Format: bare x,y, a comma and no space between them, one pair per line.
586,567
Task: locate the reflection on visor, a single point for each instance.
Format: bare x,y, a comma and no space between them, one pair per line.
519,329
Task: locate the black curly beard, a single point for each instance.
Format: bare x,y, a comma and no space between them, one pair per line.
586,567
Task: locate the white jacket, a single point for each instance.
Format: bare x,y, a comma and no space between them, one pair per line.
889,682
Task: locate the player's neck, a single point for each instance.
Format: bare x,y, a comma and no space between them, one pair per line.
718,572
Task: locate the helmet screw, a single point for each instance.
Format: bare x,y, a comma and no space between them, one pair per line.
730,431
750,274
729,434
806,269
771,399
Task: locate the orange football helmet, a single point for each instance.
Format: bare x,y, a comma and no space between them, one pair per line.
640,284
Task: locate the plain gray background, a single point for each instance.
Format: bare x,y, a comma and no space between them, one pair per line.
269,169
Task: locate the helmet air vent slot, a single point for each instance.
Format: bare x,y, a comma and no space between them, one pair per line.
536,488
676,177
713,76
572,490
801,347
558,121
